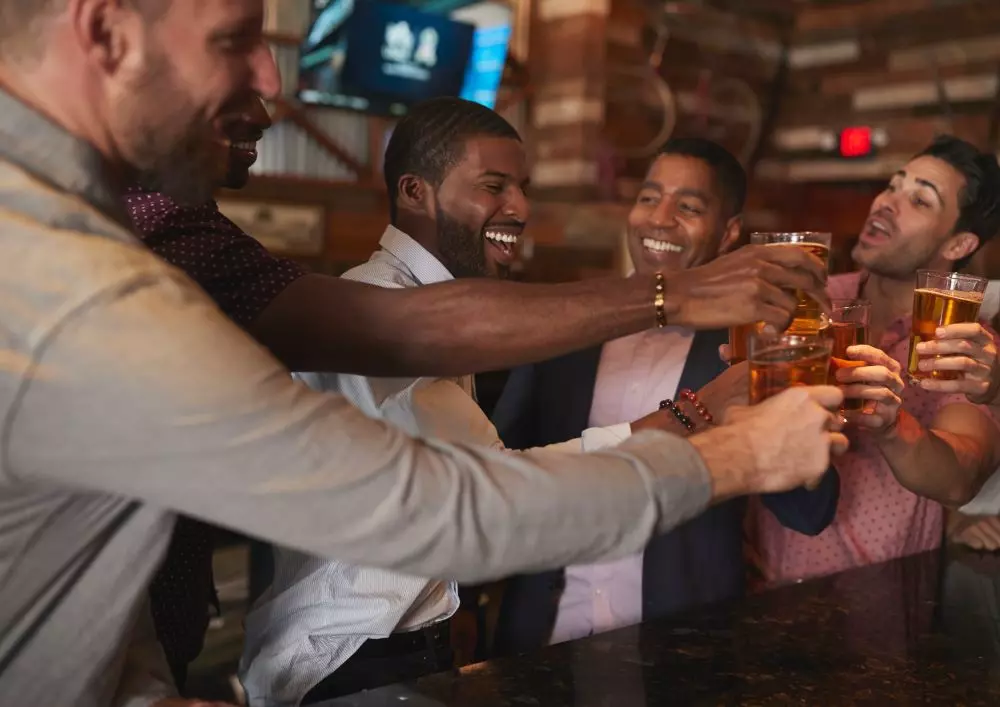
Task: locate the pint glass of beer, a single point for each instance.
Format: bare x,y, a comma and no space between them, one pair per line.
808,317
848,327
780,361
738,336
940,299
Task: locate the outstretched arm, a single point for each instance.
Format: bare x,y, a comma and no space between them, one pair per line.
321,323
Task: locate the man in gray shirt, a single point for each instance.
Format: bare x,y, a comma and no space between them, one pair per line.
125,395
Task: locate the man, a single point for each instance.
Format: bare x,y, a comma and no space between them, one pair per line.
242,278
920,447
126,396
456,174
687,212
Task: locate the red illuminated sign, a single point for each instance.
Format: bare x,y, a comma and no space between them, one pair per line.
855,142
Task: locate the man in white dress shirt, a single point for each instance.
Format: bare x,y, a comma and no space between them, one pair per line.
327,628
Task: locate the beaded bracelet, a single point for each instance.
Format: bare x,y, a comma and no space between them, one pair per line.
678,413
699,406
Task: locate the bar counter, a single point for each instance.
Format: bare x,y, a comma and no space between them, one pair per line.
922,630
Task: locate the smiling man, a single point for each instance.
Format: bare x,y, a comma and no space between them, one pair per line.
456,173
927,444
688,212
198,239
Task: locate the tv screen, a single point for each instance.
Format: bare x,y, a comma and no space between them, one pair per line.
380,58
485,68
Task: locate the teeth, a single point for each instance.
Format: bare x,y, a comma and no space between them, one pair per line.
501,237
879,226
249,146
661,246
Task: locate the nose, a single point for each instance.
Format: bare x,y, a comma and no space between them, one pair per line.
888,201
665,214
517,207
266,78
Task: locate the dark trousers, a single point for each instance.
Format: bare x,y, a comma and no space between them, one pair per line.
399,658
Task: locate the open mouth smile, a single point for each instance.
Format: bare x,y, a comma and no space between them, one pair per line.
654,245
503,243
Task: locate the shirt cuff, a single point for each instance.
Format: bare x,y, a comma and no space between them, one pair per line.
987,501
594,438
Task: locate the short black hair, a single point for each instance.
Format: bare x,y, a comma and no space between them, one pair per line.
430,140
979,198
730,177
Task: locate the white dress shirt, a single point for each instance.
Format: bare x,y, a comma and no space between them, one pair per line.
317,612
635,373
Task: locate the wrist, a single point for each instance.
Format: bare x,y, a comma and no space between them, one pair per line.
729,474
665,304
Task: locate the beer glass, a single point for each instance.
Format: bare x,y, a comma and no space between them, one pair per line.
780,361
940,299
808,319
738,336
848,327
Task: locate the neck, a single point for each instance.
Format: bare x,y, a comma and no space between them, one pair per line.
46,94
890,298
426,237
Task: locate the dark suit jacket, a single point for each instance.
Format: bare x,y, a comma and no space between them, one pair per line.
700,562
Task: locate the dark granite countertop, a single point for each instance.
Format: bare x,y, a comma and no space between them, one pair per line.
923,630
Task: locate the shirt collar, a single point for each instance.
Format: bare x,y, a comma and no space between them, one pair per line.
51,154
425,268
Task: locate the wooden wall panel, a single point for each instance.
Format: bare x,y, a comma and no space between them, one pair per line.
902,48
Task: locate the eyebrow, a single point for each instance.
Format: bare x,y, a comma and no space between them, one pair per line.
924,183
696,193
503,175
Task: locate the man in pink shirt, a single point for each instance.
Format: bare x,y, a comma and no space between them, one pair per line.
928,446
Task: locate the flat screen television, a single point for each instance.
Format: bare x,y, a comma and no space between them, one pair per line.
382,58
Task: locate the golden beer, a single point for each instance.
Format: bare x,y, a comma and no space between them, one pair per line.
933,308
791,361
738,342
848,327
808,318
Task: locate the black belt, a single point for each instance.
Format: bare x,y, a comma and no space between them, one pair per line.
381,661
434,638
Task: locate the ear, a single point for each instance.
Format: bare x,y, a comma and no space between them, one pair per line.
104,30
414,196
959,246
734,227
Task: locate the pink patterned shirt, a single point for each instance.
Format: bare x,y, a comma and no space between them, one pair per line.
877,519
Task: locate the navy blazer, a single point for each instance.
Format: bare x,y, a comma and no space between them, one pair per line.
699,562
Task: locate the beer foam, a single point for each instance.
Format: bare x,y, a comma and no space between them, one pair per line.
971,297
801,244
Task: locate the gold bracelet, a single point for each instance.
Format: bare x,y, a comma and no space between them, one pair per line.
659,300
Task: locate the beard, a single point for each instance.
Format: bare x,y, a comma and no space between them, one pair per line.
462,249
894,264
165,138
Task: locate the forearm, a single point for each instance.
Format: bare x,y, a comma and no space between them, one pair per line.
940,465
454,328
194,419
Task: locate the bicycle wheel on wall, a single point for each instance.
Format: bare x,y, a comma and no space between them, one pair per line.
641,111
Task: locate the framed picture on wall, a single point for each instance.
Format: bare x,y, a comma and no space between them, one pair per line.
285,229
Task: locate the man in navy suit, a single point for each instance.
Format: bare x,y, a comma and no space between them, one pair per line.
688,211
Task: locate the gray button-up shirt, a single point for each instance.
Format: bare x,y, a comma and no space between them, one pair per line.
126,396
